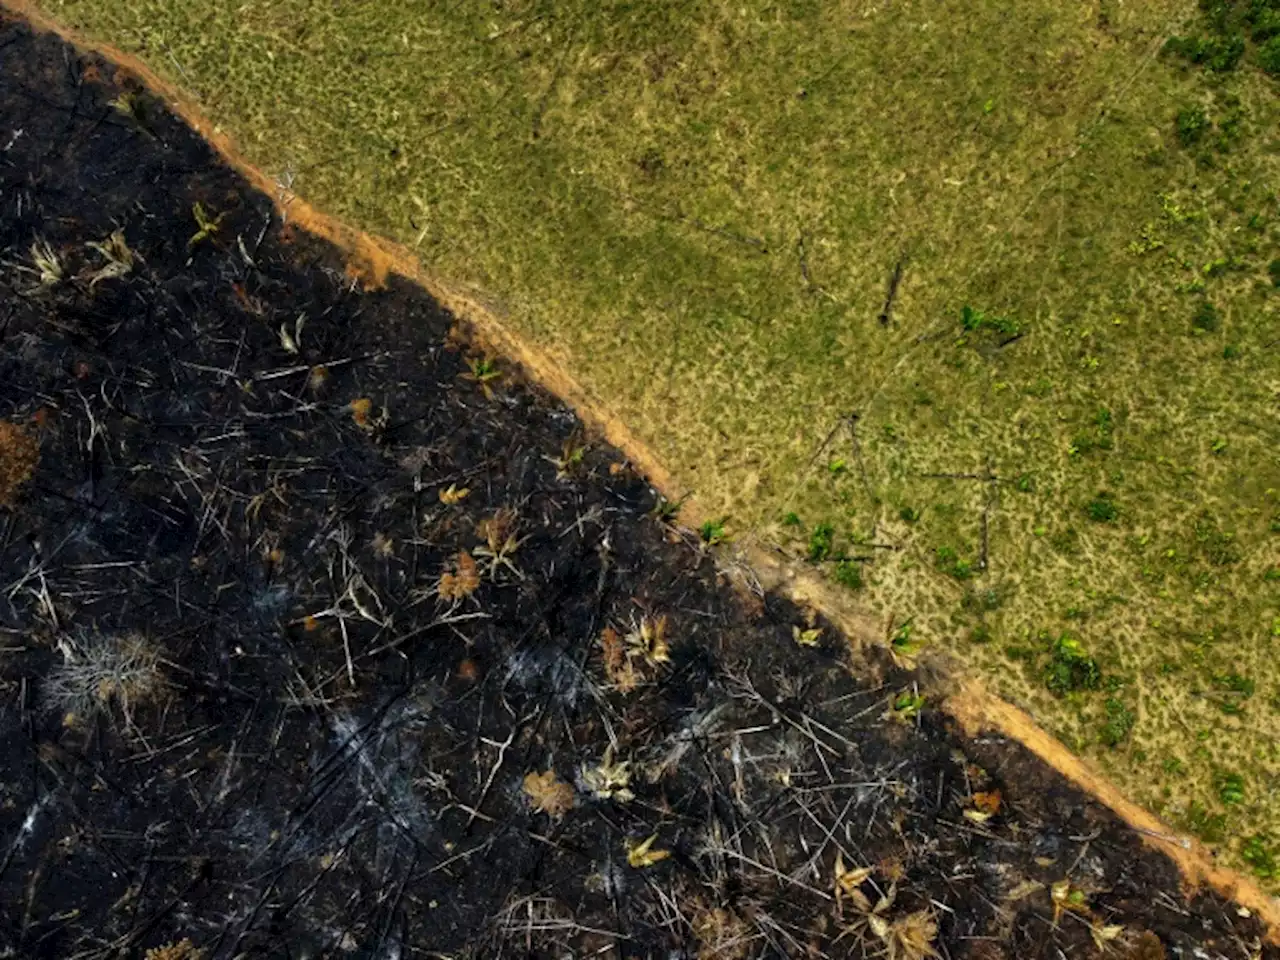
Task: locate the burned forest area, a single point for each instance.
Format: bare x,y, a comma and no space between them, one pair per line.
324,634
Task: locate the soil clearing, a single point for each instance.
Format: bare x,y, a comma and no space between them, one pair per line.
324,636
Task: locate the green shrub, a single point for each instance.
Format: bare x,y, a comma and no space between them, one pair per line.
1070,668
821,540
1119,722
974,321
1269,56
1231,789
1218,54
1273,268
712,531
1206,318
902,641
1102,509
948,561
1209,827
849,574
1191,123
1258,854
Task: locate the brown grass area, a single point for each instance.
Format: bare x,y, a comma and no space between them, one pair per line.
19,454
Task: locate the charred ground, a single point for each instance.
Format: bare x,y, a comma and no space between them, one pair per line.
323,635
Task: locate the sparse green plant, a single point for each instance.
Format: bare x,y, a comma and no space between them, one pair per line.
905,706
1070,668
949,561
980,634
909,514
902,642
103,674
791,519
1231,351
1026,483
1231,789
1119,722
1100,437
1218,546
483,371
982,600
1233,689
1206,318
1259,854
570,460
838,467
1273,268
1209,827
1216,268
1102,509
821,541
666,511
206,226
848,573
1191,124
974,321
712,532
1269,56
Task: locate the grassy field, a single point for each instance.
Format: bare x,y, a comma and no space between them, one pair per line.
1056,456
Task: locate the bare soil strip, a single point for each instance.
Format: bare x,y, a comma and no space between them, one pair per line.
272,681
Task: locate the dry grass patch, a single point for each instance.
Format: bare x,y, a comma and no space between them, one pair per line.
19,454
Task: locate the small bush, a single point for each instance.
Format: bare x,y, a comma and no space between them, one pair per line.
1218,54
1206,319
821,541
909,514
712,531
1269,56
1231,789
19,454
1119,722
1191,123
975,320
1209,827
1102,509
902,640
849,574
1273,268
948,561
1258,854
1070,668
